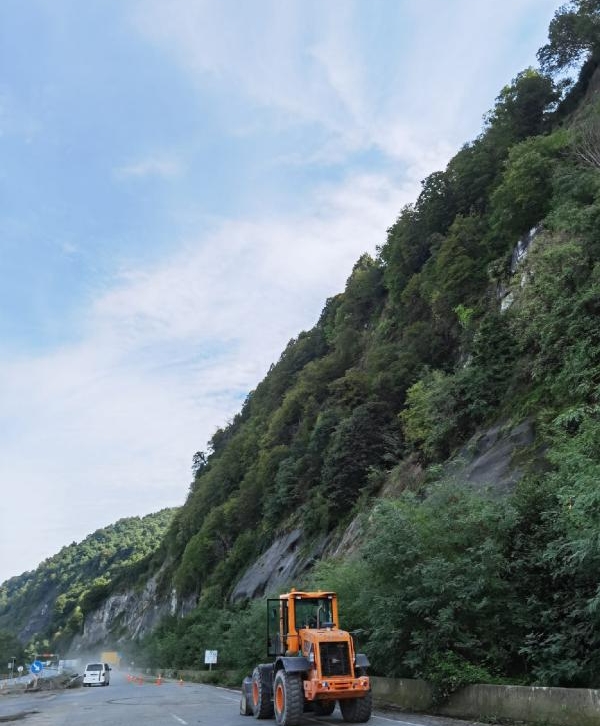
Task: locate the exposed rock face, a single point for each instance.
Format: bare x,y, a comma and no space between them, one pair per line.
349,542
40,618
286,559
490,458
129,615
519,254
521,249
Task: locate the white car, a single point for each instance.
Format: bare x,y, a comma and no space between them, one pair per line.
96,674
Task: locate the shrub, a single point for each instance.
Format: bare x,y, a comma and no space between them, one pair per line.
448,672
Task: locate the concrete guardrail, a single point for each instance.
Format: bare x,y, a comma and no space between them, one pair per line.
529,704
532,704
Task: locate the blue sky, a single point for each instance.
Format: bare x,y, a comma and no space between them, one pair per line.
182,185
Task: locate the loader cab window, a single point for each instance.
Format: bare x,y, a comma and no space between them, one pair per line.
314,613
277,622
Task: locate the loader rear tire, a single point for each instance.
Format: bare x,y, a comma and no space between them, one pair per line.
262,705
288,699
357,710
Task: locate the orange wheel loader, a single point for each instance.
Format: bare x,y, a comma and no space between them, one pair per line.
314,664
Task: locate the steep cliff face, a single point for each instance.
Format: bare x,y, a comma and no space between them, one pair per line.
493,459
289,557
129,615
45,607
496,458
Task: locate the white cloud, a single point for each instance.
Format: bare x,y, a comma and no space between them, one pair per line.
107,427
430,88
158,166
215,278
299,65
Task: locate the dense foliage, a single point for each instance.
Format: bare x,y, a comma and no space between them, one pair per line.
57,595
443,333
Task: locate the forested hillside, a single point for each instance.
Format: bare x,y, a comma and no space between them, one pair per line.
440,335
45,608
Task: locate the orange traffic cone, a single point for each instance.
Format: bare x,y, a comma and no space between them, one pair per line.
159,680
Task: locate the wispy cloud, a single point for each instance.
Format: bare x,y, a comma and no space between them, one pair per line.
330,114
167,354
321,67
159,166
246,278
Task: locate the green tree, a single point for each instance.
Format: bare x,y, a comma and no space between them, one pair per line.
555,319
574,33
357,444
10,648
555,555
524,196
438,582
430,419
522,108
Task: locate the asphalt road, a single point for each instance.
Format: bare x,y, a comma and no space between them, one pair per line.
126,703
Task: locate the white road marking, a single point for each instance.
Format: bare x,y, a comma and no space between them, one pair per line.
228,690
373,718
395,720
179,719
309,718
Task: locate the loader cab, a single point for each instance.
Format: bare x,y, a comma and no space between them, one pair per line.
295,611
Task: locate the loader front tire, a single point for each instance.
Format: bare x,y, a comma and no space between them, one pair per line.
357,710
288,699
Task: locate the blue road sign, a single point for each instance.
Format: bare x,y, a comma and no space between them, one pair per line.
36,667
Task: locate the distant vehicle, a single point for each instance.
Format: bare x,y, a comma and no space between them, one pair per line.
96,674
111,657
